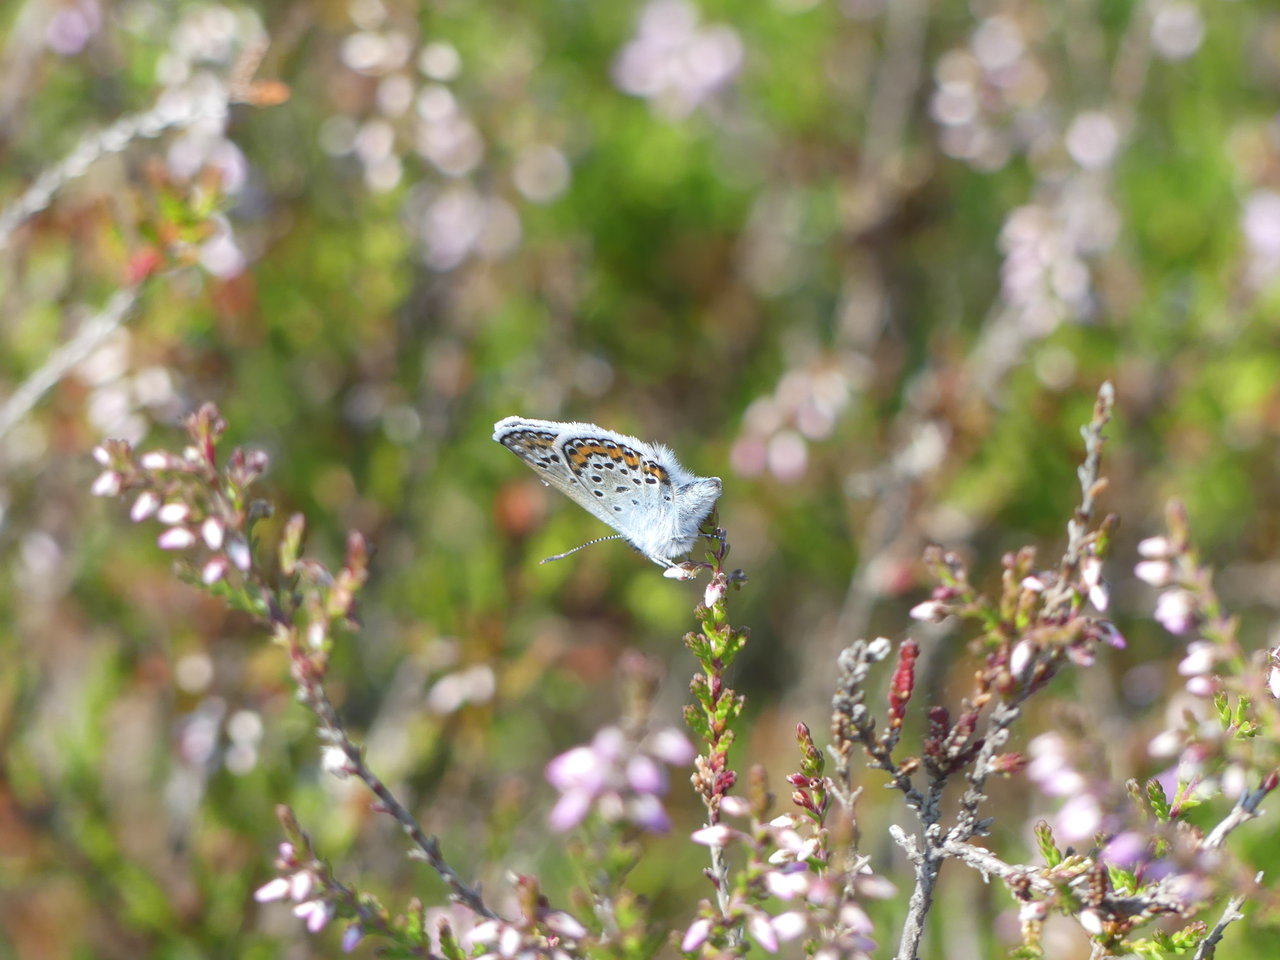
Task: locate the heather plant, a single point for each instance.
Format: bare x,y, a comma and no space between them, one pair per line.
866,261
1140,882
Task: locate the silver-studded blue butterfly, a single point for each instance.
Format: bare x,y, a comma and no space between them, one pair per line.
640,489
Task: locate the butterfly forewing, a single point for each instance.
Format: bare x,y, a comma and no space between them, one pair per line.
537,446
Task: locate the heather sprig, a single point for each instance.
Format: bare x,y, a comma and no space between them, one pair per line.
717,706
209,519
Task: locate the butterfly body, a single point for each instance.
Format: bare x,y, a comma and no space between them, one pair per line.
640,489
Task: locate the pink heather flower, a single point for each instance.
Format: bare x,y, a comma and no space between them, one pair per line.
1155,548
352,936
213,530
276,889
788,883
1050,767
1175,610
854,919
1079,818
334,760
108,484
1033,911
717,835
1091,574
1125,850
315,913
176,538
1201,655
1021,658
647,811
619,778
645,775
1034,584
300,885
102,455
214,570
1201,686
148,502
670,746
734,807
789,925
696,935
1091,922
238,553
1111,635
762,931
570,810
930,611
1273,678
155,460
879,648
564,925
1158,573
715,592
173,512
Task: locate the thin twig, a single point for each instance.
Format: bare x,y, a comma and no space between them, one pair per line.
91,334
428,846
1209,945
174,109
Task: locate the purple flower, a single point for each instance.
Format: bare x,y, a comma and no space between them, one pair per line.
1125,850
315,913
619,778
1175,609
696,935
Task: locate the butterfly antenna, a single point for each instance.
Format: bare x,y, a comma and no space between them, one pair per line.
561,556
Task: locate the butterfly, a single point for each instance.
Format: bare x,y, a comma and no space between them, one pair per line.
640,489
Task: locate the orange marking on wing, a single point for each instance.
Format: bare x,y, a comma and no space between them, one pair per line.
656,470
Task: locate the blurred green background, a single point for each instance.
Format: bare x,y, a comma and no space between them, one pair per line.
866,261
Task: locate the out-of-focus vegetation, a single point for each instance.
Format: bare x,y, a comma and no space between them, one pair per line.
865,260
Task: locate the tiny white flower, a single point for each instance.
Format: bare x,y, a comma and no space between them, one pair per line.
101,455
1155,548
1021,658
1158,573
1200,658
564,925
929,611
789,925
879,648
301,885
718,835
214,570
315,913
173,512
176,538
213,530
238,552
333,759
148,502
107,485
276,889
696,935
1091,922
154,460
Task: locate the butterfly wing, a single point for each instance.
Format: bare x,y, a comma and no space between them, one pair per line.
615,478
539,443
624,477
